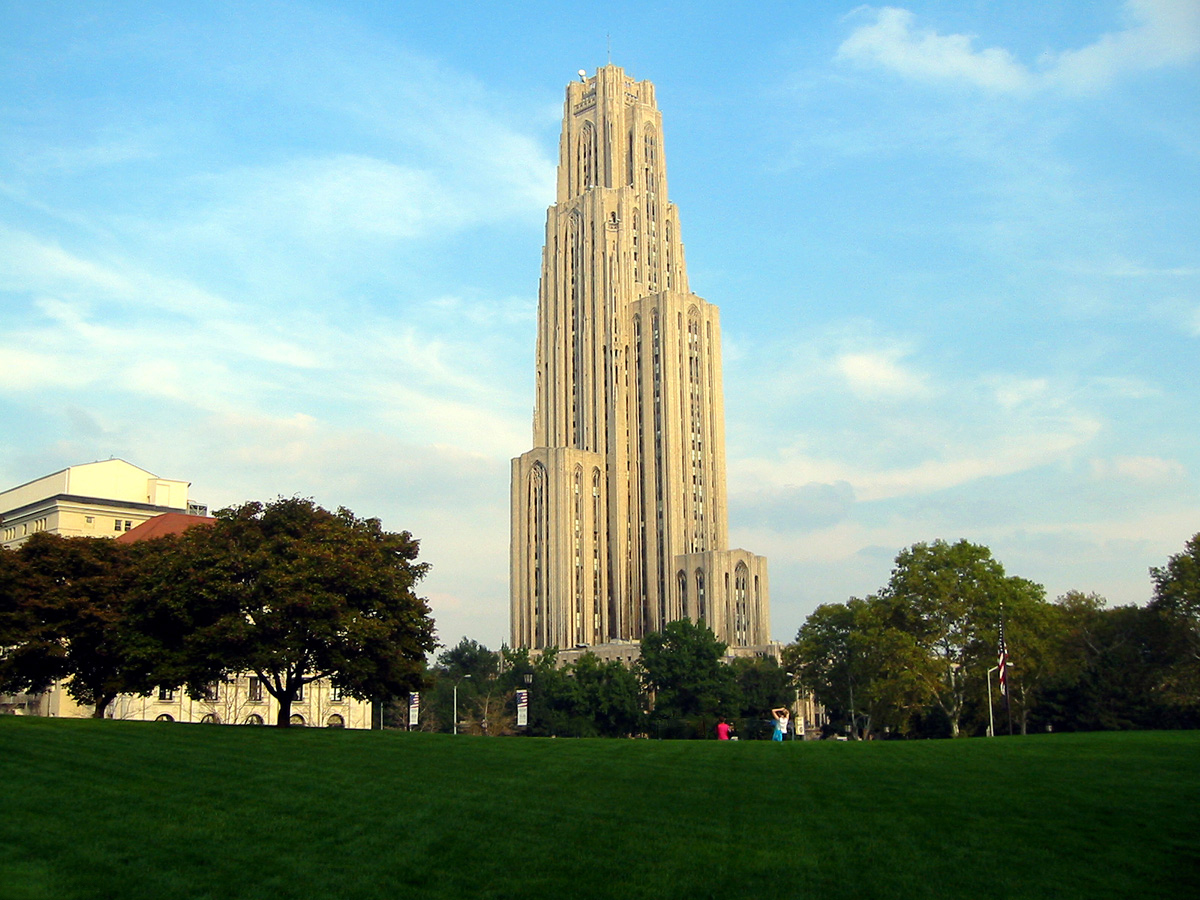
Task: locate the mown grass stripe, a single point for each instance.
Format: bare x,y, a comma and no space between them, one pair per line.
115,809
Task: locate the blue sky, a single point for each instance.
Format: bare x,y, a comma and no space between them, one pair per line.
280,249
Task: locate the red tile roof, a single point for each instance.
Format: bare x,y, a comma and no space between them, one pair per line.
161,526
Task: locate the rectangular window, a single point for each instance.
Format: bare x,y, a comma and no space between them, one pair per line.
300,692
212,691
116,524
335,694
128,524
256,690
166,693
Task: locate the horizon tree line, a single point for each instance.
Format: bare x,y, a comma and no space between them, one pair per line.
292,593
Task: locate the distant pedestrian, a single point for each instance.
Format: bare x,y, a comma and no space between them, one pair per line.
722,730
781,723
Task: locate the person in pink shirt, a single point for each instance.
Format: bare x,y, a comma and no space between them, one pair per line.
722,730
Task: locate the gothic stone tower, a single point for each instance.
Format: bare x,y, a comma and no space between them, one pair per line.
619,520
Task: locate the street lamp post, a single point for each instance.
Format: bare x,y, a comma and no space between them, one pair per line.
464,678
796,720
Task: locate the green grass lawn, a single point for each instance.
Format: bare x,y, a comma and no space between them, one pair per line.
130,810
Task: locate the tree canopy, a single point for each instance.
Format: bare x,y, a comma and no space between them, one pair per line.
293,593
682,666
63,611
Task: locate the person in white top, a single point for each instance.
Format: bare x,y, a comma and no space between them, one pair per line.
781,723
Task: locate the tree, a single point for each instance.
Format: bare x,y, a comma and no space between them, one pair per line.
293,593
551,698
473,668
65,614
682,666
607,699
941,611
1177,595
761,685
1177,585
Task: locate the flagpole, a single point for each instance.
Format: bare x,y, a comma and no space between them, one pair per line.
1002,665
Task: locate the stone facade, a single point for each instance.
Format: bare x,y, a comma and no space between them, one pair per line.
619,517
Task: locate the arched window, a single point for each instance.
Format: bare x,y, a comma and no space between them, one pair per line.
637,272
741,618
576,634
597,520
587,156
335,721
164,717
297,720
253,719
701,601
668,235
649,159
537,550
210,719
682,579
629,167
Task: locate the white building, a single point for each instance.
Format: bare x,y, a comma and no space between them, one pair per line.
99,499
115,499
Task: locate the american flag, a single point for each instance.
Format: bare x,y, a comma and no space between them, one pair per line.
1002,663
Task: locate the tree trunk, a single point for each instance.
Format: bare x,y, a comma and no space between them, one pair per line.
102,702
284,719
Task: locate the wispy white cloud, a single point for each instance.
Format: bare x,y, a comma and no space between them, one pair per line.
875,375
953,465
1159,33
891,41
1147,469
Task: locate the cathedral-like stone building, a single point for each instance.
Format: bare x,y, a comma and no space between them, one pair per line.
619,515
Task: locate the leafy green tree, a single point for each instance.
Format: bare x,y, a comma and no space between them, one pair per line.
482,697
293,593
682,666
941,611
64,610
829,661
551,697
1116,668
762,685
471,658
1177,595
11,627
606,698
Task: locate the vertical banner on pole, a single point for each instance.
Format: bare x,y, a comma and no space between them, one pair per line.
522,709
414,709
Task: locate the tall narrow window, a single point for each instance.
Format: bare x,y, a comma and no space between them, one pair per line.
741,618
597,519
537,549
587,156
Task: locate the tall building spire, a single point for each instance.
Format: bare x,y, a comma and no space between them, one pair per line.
619,521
